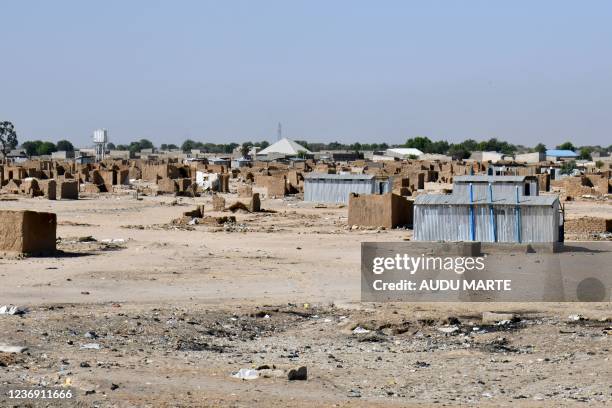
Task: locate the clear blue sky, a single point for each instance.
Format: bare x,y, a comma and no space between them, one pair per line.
221,71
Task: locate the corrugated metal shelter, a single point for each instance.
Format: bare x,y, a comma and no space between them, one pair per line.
455,218
502,186
336,188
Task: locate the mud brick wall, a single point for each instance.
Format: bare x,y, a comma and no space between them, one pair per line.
153,172
48,188
14,173
167,185
216,168
543,181
276,186
224,182
30,187
109,178
245,190
386,210
577,186
601,183
586,227
67,190
27,232
218,203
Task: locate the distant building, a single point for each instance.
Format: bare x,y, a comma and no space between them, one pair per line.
119,154
85,152
492,157
241,162
85,159
433,156
62,155
534,157
17,156
558,155
223,161
346,156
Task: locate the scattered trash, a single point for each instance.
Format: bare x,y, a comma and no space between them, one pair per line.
493,317
453,321
12,349
12,310
301,374
90,346
360,330
448,329
113,387
246,374
91,335
576,317
113,241
354,394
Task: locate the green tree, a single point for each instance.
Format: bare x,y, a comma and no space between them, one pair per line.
65,145
8,137
469,144
419,142
145,144
585,154
123,147
109,146
599,164
459,152
568,167
566,146
245,148
229,148
540,148
31,147
46,148
188,145
439,147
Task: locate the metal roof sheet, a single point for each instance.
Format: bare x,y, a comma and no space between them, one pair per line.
450,199
561,153
482,178
339,176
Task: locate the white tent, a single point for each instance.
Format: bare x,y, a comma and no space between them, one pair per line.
403,152
284,146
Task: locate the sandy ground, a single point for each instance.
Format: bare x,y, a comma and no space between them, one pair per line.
177,309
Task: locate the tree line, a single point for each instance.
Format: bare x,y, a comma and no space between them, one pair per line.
8,141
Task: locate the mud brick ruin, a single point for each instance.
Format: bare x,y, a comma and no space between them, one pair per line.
27,232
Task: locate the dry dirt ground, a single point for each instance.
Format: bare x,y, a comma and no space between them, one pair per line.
176,309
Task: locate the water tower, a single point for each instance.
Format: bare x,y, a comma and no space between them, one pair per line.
100,137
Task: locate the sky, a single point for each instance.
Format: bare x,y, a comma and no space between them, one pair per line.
347,71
